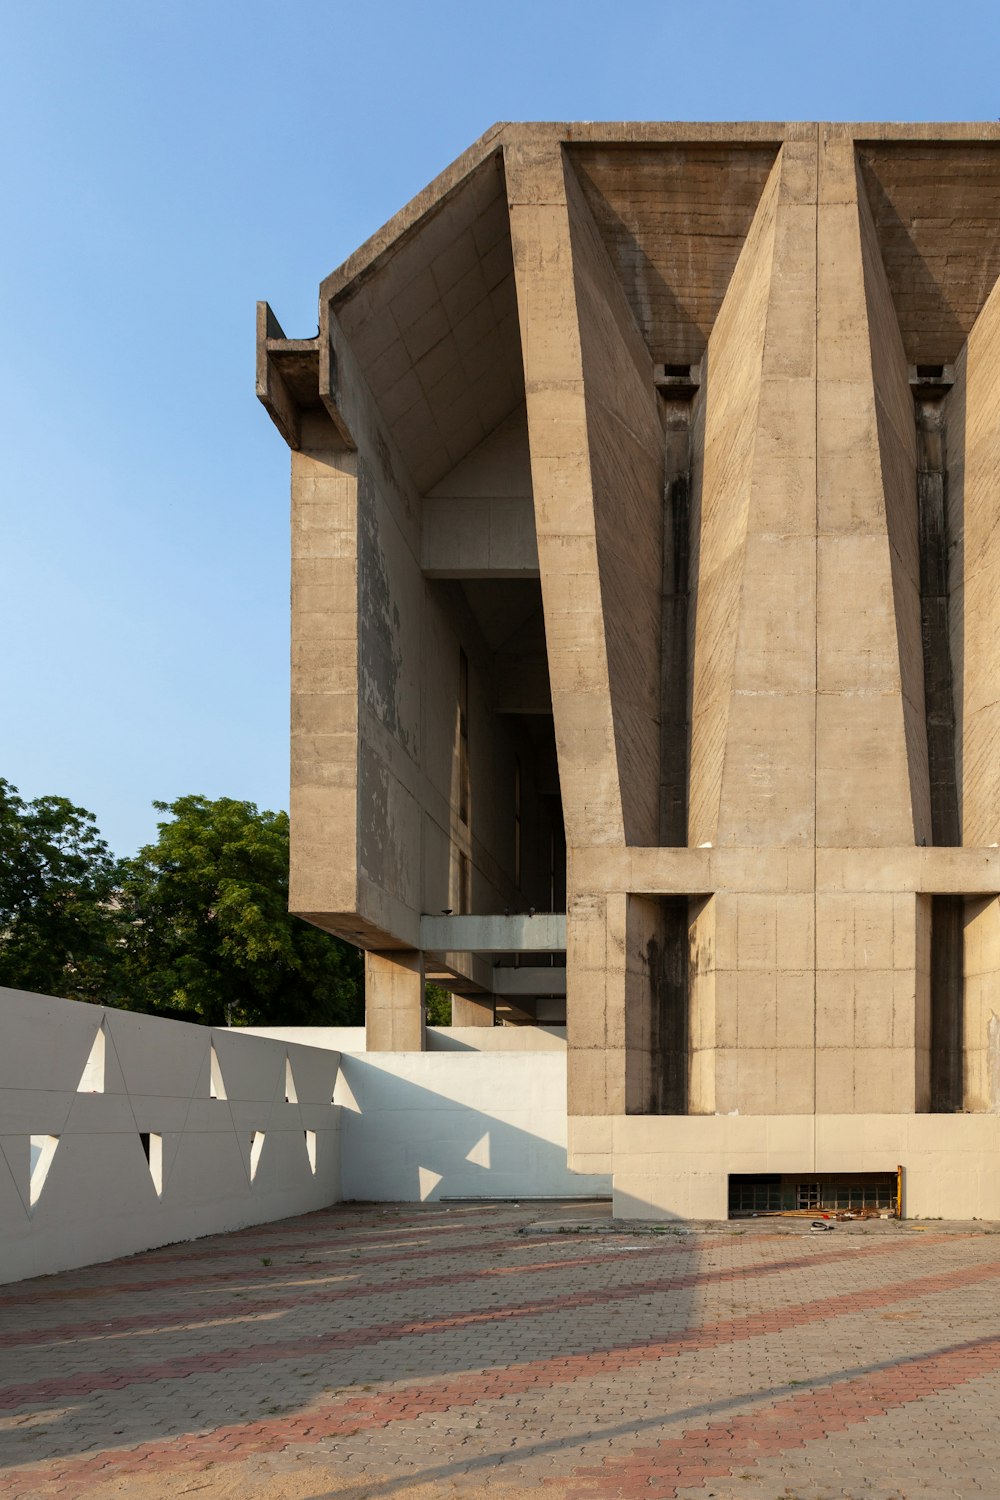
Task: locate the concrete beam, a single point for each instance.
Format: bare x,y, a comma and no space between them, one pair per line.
478,538
533,981
543,933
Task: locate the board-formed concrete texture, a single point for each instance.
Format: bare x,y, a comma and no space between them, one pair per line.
645,496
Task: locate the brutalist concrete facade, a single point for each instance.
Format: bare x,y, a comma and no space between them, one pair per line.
645,500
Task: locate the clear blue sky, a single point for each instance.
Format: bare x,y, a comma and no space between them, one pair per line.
166,163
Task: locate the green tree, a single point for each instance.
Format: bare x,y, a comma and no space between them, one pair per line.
438,1002
209,936
60,932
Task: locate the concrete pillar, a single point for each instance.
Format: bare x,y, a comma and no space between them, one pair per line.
468,1012
395,1015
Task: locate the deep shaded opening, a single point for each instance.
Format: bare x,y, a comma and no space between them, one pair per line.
939,695
669,1009
947,1004
860,1194
675,731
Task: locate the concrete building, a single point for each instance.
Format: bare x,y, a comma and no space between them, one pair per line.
645,497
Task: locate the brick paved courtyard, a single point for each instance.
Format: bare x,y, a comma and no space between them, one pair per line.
384,1351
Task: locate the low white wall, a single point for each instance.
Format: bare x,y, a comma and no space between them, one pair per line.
99,1200
420,1125
439,1038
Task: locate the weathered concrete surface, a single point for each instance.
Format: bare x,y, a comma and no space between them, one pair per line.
815,700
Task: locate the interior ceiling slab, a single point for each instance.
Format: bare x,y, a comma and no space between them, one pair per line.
673,220
508,611
434,326
936,207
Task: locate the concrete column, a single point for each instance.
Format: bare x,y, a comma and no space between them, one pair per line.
468,1012
395,1015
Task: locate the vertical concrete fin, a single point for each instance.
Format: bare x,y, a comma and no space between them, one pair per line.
723,471
973,425
863,792
767,794
324,686
562,482
896,428
625,446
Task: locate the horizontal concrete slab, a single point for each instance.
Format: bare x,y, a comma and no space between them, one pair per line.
543,933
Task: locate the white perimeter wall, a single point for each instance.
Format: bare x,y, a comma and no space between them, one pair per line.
99,1200
419,1125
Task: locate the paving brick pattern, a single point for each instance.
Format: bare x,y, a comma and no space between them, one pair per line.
369,1351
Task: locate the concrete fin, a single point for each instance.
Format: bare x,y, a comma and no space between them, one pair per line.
562,485
625,448
722,485
896,428
864,791
973,462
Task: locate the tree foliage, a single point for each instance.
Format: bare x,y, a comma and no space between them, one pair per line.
58,930
196,925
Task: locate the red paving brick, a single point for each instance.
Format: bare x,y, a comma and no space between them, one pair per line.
748,1359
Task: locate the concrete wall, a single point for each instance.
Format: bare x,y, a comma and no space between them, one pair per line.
79,1084
678,1168
462,1125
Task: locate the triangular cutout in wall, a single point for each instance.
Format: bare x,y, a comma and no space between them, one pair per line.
92,1079
216,1084
152,1145
43,1149
291,1094
256,1147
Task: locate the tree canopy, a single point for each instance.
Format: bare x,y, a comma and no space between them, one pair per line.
58,933
195,925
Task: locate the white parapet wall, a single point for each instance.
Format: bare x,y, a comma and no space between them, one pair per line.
423,1125
121,1131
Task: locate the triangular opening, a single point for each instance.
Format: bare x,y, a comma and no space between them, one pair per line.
310,1136
256,1147
42,1149
673,219
936,209
343,1094
93,1075
152,1145
291,1094
216,1086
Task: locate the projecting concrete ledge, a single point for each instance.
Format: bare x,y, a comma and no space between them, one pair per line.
543,933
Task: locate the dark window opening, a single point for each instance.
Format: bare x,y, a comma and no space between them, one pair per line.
859,1193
